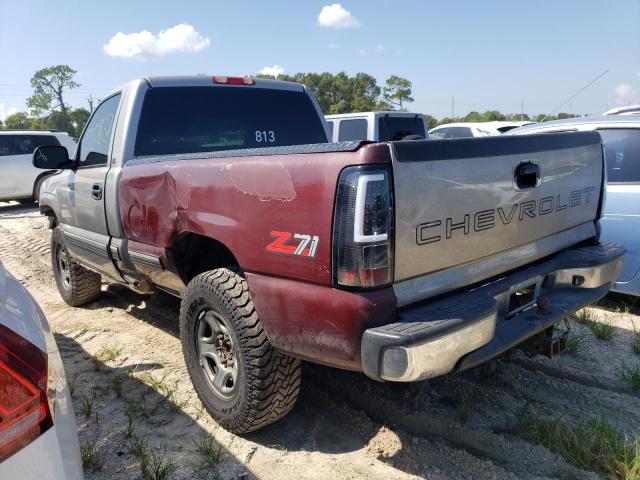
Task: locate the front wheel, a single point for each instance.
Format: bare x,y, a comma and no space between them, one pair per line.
76,284
242,381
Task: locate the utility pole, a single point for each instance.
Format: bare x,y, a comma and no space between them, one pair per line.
452,107
522,109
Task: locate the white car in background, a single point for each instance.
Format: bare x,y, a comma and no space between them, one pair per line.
621,220
19,179
38,433
376,126
473,129
626,110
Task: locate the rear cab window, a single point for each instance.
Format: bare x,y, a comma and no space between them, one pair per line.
176,120
24,144
622,154
396,128
352,129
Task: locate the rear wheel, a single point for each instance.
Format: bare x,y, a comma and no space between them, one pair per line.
76,284
243,382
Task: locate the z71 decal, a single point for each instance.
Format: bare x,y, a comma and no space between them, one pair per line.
293,244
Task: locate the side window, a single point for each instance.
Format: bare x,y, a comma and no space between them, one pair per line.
440,133
94,145
24,144
330,130
460,132
355,129
622,154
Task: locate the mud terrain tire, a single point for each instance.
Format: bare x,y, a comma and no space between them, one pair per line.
222,337
77,285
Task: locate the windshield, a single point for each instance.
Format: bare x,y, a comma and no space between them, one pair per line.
204,119
622,154
396,128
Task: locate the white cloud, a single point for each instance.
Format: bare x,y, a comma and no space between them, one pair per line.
275,70
144,45
5,112
377,49
336,16
626,94
333,45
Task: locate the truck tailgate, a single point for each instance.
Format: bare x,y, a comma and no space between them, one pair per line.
470,209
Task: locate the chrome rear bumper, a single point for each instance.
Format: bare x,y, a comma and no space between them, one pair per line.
466,329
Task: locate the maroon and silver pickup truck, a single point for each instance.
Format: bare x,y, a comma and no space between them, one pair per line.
404,260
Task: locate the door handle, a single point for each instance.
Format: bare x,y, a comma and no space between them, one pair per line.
96,191
527,175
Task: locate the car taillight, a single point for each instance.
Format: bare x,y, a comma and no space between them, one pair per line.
363,228
24,406
234,80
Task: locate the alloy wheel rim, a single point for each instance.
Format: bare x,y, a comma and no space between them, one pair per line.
64,268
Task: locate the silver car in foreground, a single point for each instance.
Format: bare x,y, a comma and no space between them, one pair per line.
621,222
38,434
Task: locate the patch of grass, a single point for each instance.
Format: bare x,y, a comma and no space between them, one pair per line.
576,342
156,465
584,316
72,381
635,342
631,375
138,446
116,385
86,405
591,444
210,455
92,456
131,426
602,330
107,353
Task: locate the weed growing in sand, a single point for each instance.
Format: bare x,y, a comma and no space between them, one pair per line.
635,342
156,465
131,426
584,316
603,330
72,381
138,446
92,456
631,375
591,444
210,455
576,342
86,405
116,385
107,353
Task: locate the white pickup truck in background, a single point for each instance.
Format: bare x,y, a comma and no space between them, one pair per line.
376,126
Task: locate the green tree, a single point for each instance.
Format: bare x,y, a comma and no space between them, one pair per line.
1,124
431,122
79,118
397,91
17,121
49,86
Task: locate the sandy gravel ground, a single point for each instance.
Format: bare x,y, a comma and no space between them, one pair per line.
123,358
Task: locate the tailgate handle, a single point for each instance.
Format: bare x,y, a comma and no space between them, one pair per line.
527,175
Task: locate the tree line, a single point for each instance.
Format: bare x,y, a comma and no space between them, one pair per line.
336,93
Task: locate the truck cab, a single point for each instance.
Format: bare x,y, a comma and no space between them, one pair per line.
376,126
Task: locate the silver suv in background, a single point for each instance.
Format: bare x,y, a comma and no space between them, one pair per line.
19,179
376,126
621,222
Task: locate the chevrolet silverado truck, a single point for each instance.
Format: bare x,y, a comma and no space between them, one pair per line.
404,260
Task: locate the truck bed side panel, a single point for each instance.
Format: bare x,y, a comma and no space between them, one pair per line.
246,203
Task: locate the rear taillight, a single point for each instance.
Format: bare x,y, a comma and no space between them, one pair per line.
24,406
234,80
363,228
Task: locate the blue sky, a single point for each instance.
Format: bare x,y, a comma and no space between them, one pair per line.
487,55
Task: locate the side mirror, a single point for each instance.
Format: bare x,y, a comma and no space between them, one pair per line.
52,158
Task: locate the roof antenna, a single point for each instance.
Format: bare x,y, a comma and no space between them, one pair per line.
575,95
